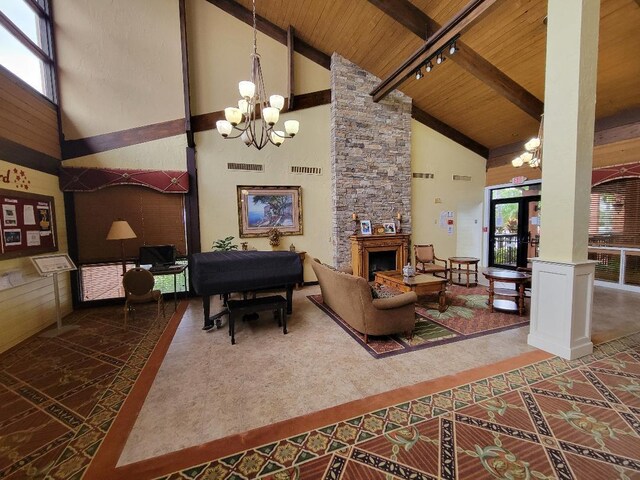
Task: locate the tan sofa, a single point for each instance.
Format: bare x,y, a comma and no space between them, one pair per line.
350,297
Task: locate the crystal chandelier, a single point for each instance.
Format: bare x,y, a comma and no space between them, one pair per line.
252,106
533,151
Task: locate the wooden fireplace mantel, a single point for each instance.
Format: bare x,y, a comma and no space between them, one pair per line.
361,245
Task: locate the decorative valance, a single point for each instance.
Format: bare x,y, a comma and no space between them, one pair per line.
80,179
607,174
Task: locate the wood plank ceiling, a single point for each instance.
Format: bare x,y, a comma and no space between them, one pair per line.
512,37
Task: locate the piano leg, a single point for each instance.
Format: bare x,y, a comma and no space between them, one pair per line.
216,320
289,299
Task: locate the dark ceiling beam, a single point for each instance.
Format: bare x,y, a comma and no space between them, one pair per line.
463,20
615,128
449,132
415,20
279,34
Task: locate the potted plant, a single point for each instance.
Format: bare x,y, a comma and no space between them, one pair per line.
224,245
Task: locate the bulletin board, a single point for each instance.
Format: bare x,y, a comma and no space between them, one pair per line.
27,224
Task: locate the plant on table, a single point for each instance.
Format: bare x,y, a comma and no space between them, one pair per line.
224,245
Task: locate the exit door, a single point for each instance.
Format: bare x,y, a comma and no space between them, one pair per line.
514,231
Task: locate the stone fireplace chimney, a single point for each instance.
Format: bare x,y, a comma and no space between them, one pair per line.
370,155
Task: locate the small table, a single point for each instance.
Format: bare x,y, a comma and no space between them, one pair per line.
508,276
467,262
422,284
172,270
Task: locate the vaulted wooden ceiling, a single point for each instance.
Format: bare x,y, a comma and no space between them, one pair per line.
378,35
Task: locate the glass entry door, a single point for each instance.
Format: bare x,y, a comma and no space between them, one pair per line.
514,227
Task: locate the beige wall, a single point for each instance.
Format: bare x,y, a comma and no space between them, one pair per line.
30,307
431,152
119,64
217,185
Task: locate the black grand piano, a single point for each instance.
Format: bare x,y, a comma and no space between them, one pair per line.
222,273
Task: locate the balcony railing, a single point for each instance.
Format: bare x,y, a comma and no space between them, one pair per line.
505,250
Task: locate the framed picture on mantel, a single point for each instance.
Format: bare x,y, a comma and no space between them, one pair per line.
365,227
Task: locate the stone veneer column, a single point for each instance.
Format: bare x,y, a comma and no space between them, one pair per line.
370,155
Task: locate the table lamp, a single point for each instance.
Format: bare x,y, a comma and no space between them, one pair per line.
121,230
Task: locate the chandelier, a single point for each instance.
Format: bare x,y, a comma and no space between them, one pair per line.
533,151
253,106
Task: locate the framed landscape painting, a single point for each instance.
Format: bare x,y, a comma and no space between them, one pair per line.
262,208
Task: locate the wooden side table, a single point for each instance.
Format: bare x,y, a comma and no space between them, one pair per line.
506,276
463,268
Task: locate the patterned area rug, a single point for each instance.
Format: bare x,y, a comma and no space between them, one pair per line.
467,316
60,395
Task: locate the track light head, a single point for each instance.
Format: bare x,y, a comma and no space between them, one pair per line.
429,67
439,59
453,48
419,74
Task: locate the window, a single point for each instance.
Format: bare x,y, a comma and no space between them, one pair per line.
156,219
614,217
25,43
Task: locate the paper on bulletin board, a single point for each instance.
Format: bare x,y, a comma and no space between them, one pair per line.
450,230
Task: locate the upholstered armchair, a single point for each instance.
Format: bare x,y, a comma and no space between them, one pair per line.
427,262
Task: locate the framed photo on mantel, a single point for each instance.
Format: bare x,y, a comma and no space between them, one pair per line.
262,208
365,227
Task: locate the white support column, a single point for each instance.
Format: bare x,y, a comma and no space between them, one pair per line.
562,284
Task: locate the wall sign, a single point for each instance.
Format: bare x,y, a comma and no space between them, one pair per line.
27,224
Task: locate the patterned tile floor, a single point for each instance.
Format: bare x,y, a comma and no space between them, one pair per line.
551,419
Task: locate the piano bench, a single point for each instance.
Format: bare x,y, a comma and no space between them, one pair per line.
252,305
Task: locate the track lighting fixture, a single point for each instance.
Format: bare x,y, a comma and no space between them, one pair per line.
439,56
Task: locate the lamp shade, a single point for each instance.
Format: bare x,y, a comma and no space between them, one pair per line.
120,230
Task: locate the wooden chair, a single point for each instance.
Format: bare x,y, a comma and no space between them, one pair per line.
426,261
138,288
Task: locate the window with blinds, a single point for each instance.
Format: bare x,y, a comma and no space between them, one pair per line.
615,213
156,218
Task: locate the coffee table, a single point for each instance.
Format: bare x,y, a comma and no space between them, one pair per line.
507,276
422,284
459,270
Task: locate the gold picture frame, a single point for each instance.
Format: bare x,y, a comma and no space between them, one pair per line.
262,208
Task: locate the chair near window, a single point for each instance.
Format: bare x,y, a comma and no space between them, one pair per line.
138,288
427,262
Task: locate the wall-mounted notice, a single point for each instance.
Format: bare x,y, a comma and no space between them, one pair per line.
27,224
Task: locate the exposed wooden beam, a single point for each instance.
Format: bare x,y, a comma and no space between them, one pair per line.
272,30
615,128
449,132
27,157
22,38
290,50
207,121
184,49
415,20
436,42
122,138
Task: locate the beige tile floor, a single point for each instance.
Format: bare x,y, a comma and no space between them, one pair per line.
208,389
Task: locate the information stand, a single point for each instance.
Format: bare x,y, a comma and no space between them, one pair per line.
51,266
